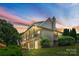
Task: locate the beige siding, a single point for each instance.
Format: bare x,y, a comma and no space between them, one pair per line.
49,34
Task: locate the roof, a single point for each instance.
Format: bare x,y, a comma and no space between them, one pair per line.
46,25
36,23
43,24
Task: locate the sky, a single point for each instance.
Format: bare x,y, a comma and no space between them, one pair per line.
67,14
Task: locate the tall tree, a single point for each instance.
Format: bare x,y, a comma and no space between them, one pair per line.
8,33
66,32
73,33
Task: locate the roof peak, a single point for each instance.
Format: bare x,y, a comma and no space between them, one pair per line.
51,19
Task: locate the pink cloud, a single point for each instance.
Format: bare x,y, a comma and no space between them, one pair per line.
12,18
59,22
18,20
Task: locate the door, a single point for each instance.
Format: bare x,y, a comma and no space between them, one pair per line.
36,44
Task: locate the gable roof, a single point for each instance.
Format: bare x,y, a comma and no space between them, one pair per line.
43,24
46,24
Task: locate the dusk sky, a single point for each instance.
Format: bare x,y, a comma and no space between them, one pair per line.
68,14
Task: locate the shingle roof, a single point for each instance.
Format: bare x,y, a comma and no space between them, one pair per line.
44,24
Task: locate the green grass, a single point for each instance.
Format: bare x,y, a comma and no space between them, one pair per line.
10,51
57,51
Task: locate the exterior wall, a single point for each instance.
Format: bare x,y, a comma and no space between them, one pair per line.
33,36
49,34
33,43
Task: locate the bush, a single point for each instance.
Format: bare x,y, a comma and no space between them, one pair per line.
66,40
77,38
45,42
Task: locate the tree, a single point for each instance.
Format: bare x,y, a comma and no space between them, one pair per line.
73,33
8,33
66,32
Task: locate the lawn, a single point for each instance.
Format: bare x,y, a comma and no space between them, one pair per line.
57,51
10,51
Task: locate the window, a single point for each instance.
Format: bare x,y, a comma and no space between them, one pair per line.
38,32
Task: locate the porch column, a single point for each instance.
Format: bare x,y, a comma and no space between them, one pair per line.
28,45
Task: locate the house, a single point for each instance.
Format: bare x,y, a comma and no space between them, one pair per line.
31,37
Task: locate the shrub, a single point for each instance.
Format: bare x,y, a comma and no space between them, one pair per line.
45,42
66,40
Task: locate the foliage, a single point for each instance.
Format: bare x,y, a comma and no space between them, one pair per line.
11,51
66,32
77,38
70,32
73,33
8,33
66,40
45,42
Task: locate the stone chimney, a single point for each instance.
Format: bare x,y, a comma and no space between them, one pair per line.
53,23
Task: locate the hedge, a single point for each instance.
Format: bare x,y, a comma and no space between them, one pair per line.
66,40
